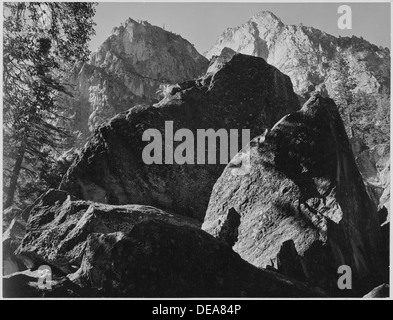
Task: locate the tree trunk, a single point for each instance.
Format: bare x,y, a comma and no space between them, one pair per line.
352,132
14,178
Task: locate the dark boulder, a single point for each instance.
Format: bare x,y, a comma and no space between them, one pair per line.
137,251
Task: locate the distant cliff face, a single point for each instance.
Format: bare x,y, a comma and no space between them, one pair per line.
305,54
127,69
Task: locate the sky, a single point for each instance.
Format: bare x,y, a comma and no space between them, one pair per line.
202,23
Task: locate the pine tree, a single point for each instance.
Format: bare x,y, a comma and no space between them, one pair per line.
42,41
343,95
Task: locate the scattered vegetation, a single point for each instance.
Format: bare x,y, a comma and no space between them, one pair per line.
366,116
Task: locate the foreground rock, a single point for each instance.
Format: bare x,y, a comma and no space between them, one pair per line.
135,251
302,186
59,226
244,93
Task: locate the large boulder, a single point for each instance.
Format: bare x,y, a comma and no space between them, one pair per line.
135,251
243,93
58,227
302,186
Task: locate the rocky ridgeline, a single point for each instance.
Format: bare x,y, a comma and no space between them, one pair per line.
128,69
305,54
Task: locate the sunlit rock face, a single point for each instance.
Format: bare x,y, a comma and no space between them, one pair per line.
128,69
305,54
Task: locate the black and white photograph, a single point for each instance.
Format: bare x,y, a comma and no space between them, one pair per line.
184,151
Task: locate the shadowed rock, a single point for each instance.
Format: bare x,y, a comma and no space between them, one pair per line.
289,262
374,166
136,251
229,232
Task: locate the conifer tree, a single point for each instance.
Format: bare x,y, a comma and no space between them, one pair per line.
42,41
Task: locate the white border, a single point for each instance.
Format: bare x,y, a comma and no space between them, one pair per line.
199,1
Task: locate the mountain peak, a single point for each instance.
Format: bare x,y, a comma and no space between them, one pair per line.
305,53
138,21
262,15
130,20
131,23
136,59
